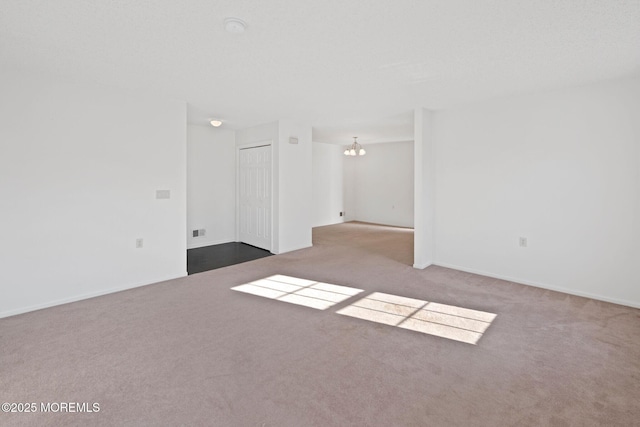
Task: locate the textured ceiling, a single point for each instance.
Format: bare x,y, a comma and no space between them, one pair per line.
346,67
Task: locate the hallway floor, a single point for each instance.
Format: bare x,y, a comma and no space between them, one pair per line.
218,256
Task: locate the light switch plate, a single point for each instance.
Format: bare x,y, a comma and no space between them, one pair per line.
163,194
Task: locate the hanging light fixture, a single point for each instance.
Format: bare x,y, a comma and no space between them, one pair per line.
355,149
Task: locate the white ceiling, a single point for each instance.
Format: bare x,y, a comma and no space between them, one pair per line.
346,67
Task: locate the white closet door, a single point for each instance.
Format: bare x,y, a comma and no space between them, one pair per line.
255,196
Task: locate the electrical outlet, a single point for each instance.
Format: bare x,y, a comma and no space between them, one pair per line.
139,243
202,232
523,242
341,213
194,233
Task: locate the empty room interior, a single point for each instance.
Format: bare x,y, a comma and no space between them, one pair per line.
432,210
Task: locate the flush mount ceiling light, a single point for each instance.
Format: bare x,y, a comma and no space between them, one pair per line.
355,149
216,123
234,25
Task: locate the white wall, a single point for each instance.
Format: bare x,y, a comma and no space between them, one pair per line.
296,183
379,186
79,168
424,191
349,188
561,169
211,185
328,184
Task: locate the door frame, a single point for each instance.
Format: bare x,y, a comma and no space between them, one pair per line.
262,143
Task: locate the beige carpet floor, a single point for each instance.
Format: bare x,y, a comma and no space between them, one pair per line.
192,351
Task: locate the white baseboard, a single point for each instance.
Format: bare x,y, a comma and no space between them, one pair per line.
292,248
82,297
422,266
628,303
338,221
203,243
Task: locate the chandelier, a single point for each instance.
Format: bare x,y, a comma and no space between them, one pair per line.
355,149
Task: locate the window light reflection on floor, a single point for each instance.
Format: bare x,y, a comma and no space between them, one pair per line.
294,290
447,321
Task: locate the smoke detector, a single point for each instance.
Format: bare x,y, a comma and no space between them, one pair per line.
234,25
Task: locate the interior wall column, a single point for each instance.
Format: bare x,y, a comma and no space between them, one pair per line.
424,189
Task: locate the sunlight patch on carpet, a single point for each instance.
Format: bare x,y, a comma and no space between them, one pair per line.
447,321
299,291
